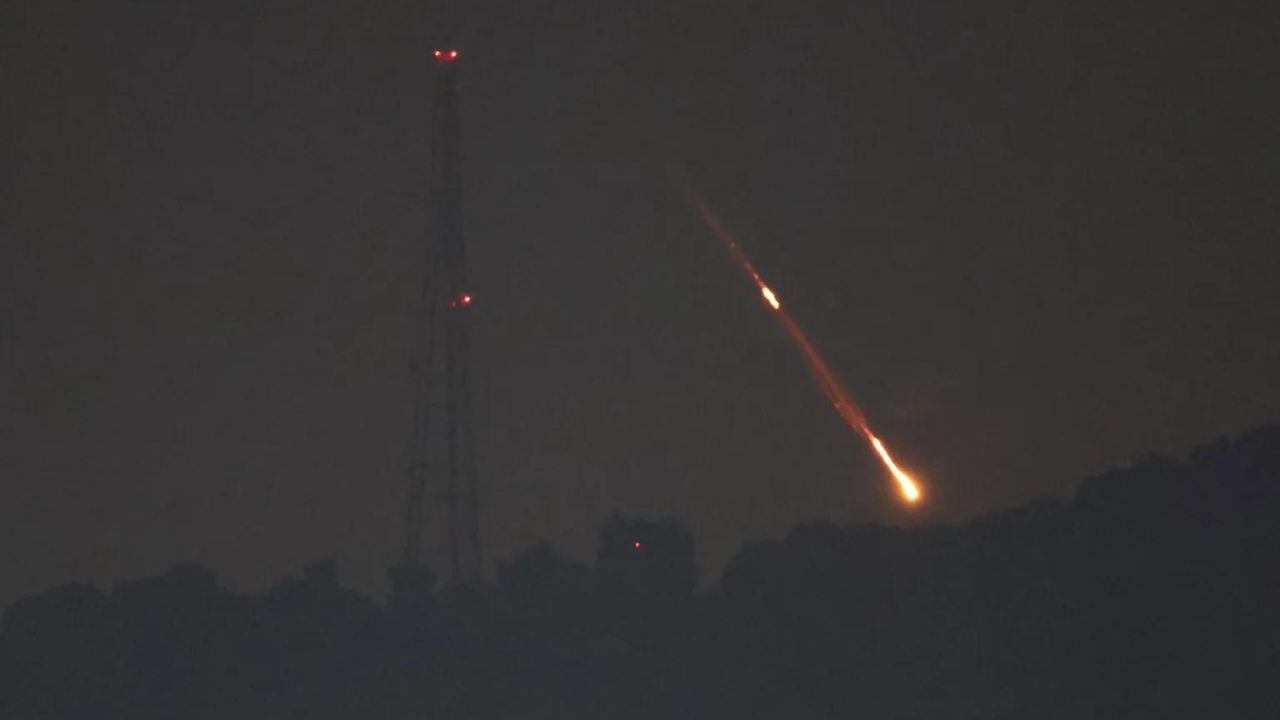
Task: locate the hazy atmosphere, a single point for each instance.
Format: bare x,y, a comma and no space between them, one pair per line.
1035,239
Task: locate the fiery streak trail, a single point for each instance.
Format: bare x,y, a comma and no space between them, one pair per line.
822,374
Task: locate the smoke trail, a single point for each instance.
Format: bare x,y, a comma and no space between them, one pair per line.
822,374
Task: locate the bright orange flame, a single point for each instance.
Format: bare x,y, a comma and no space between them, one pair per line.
909,489
770,297
822,374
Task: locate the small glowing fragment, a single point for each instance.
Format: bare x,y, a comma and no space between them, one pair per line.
770,297
636,544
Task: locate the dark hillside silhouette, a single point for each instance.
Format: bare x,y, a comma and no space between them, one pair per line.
1152,594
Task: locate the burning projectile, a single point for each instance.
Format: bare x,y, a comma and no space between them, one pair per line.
822,374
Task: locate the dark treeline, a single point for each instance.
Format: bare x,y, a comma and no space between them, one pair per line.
1152,594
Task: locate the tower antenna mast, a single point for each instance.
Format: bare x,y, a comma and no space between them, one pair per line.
442,512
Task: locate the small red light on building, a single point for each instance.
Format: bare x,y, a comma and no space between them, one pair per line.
465,299
636,544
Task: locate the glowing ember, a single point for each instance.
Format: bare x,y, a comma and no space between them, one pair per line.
818,368
770,297
909,489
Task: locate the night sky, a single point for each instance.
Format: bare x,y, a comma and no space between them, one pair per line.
1035,238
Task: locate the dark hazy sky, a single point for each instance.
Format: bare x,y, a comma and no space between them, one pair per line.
1035,238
